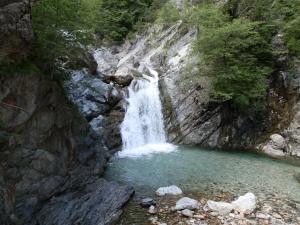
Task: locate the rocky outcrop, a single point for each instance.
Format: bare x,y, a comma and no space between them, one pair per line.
100,101
15,30
192,119
51,158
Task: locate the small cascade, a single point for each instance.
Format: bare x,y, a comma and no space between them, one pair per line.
143,127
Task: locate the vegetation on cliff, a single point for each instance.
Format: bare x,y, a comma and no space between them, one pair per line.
234,44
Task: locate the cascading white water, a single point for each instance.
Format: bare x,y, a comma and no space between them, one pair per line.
143,126
143,123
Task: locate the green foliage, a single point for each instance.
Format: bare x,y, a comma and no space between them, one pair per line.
234,54
279,15
119,17
168,14
292,36
62,28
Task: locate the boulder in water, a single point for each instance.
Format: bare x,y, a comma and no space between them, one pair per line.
245,204
187,203
222,208
171,190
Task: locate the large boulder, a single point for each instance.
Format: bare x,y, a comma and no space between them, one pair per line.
276,147
98,203
245,204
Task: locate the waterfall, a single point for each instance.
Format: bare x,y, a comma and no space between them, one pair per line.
143,123
143,126
143,130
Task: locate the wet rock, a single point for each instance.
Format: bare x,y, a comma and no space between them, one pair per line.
187,203
107,61
146,202
222,208
171,190
245,204
187,213
123,81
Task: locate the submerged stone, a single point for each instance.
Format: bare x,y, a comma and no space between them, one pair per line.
146,202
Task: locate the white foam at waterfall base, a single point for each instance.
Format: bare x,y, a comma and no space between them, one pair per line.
147,150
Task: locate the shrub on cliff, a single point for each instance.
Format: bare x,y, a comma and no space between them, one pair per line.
234,54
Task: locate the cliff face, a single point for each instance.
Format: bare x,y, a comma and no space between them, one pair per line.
192,119
15,30
51,151
51,160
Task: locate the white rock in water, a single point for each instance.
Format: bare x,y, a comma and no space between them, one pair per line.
186,203
245,204
152,209
187,213
171,190
222,208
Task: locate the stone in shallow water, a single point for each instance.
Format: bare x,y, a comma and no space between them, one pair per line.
171,190
222,208
245,204
146,202
187,203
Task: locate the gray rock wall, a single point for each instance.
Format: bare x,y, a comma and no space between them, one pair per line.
51,152
16,32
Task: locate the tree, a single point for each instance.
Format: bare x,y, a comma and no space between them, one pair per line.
234,55
118,17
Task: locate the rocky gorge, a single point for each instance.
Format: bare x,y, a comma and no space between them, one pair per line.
56,140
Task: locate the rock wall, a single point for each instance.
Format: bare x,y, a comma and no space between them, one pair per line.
51,160
15,30
52,155
193,120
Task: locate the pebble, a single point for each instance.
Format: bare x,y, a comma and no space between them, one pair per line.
201,217
276,215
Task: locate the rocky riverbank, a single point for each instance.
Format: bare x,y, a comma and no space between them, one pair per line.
225,209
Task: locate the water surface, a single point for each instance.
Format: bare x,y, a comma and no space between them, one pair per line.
206,171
